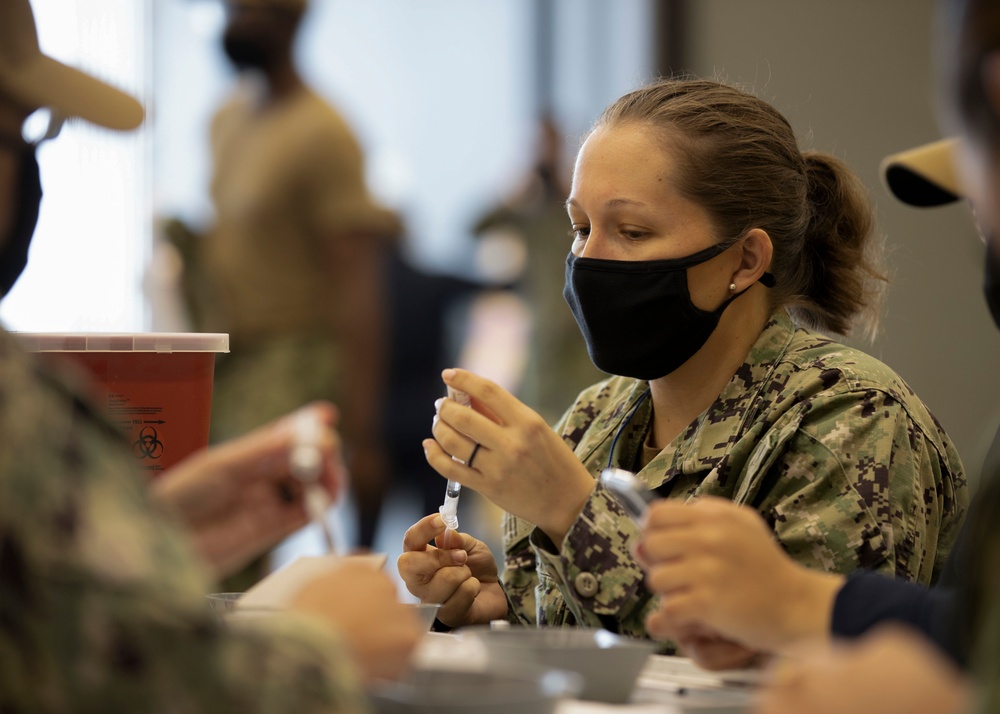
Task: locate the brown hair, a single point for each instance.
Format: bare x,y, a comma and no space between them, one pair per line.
739,160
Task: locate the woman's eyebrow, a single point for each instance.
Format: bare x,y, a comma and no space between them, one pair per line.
610,203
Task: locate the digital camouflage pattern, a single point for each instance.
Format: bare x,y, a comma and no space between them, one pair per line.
102,602
828,444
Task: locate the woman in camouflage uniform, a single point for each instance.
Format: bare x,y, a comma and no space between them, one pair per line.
710,257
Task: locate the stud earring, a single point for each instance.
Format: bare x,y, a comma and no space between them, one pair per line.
732,287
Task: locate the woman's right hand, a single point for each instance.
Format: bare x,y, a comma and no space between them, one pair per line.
460,574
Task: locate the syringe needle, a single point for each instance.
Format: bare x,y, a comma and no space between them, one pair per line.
306,463
449,510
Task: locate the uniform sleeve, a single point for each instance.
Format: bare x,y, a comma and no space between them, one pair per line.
520,574
592,579
103,602
336,198
868,599
849,481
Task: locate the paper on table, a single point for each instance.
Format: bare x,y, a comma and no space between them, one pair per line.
682,670
277,590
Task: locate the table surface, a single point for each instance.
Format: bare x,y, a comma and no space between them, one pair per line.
665,686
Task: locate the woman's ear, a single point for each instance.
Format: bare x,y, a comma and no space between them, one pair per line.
755,259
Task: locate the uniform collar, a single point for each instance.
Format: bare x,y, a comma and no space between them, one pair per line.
707,440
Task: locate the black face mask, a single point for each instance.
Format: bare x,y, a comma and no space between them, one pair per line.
991,285
247,52
637,316
14,247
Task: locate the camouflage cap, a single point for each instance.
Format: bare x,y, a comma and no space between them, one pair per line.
924,176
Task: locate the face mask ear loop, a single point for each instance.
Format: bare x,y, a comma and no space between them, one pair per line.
622,427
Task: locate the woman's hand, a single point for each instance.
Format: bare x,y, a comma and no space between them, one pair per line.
520,464
240,498
717,566
710,650
461,575
363,605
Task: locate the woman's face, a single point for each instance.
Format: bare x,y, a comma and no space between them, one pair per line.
623,206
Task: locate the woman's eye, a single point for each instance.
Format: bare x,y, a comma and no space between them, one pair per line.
579,232
633,233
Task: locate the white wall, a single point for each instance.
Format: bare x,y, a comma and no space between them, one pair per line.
439,92
87,255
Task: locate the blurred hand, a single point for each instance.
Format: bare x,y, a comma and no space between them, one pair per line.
239,499
891,670
460,574
717,566
522,465
712,651
363,605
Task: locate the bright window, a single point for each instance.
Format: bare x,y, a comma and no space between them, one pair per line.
87,256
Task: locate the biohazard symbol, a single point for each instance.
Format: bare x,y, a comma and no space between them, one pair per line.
148,445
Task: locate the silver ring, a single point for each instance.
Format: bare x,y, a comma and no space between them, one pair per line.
474,452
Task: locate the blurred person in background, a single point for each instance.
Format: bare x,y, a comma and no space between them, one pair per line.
293,265
707,290
528,223
427,327
103,580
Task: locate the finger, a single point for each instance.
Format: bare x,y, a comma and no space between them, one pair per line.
456,606
459,429
503,406
666,545
441,461
668,513
662,627
452,540
453,440
686,609
423,532
444,585
717,654
421,567
669,578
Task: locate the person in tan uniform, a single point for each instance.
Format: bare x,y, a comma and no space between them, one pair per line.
292,267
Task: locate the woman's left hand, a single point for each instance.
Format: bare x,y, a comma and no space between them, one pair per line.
520,463
239,498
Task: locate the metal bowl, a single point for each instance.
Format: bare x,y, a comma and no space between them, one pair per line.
505,690
426,612
609,664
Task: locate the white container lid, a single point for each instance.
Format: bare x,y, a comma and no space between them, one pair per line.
123,341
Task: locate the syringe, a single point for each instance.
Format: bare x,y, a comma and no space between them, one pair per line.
306,463
449,510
